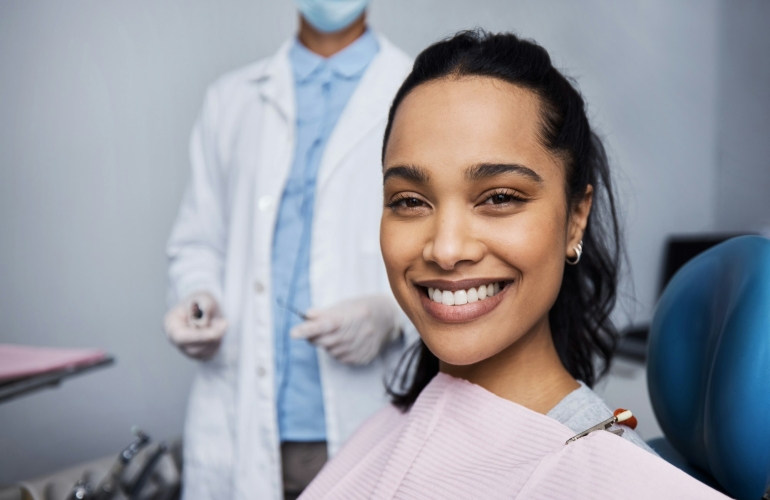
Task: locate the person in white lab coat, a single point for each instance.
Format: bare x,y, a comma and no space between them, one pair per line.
280,224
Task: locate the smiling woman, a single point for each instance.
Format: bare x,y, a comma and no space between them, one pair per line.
493,183
491,172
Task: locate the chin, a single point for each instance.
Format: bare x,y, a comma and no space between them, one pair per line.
459,348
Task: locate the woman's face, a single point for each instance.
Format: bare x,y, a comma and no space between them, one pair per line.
475,228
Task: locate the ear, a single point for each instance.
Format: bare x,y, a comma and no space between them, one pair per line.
578,220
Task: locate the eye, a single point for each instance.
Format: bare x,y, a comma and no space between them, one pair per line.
410,203
503,197
406,204
497,199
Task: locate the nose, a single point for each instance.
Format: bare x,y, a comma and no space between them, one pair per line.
452,241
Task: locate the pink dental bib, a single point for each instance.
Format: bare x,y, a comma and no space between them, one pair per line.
461,441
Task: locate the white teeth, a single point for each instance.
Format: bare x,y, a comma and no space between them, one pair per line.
461,297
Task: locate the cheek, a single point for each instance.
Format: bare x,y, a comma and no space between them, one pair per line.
393,253
400,247
531,239
533,243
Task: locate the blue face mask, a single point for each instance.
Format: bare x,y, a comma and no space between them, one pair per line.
331,15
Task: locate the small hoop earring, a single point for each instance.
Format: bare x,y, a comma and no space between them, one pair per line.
578,253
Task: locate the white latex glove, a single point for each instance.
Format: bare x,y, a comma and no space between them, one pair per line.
352,331
196,325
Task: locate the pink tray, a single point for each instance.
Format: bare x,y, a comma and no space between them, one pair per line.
19,361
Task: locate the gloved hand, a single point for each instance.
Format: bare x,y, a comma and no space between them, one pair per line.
196,325
352,331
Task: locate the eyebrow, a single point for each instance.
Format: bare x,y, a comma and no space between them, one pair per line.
487,170
407,172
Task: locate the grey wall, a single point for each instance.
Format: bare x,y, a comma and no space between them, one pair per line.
743,177
97,102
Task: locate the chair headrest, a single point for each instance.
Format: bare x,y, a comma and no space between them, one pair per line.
709,364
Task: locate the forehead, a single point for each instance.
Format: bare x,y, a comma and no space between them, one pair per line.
467,120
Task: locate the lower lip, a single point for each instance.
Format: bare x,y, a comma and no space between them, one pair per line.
465,312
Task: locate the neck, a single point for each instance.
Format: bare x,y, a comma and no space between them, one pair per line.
529,372
328,44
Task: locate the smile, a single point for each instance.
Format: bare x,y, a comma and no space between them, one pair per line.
461,301
462,297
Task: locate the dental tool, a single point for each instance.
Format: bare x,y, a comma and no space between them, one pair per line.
197,316
620,416
291,309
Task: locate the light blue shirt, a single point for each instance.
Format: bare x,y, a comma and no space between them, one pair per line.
323,87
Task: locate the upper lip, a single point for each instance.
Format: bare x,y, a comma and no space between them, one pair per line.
453,286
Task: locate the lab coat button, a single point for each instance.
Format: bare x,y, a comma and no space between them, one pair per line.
260,371
259,287
265,203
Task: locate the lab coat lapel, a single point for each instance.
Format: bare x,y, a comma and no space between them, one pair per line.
273,144
276,84
368,107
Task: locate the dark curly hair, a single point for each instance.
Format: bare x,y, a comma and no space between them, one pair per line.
580,319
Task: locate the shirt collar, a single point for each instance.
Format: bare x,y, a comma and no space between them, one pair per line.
349,62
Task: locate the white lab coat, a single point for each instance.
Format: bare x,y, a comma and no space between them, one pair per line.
241,153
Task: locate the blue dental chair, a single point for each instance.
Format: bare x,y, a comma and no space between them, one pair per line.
708,368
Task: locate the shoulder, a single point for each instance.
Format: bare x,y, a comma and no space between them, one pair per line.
379,425
234,82
362,457
242,76
226,96
583,408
